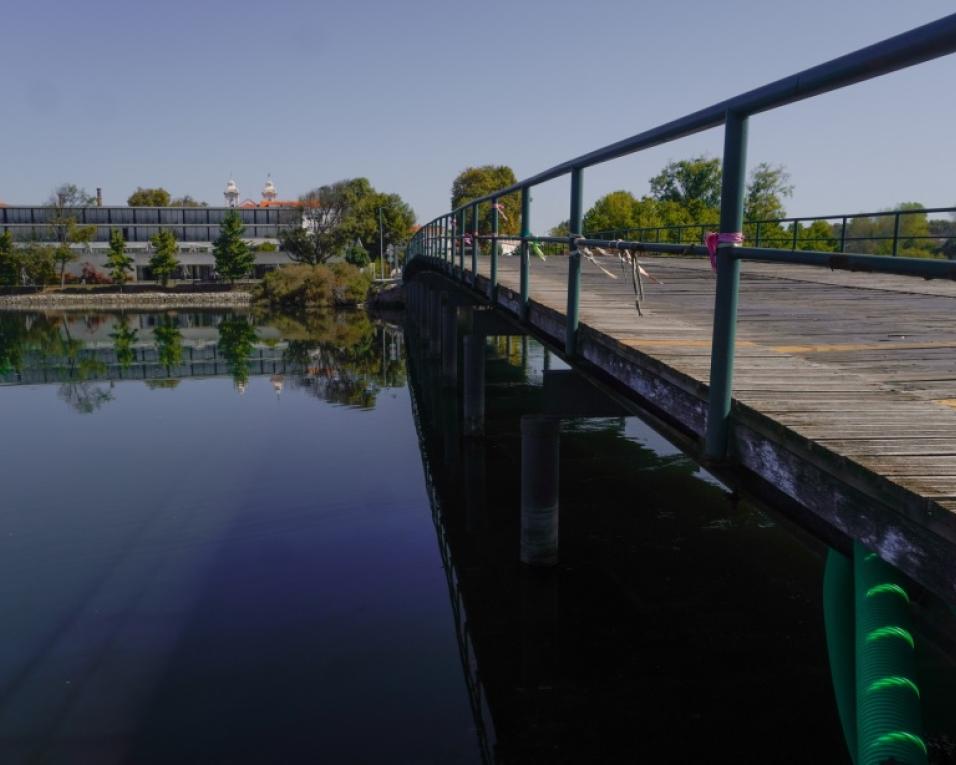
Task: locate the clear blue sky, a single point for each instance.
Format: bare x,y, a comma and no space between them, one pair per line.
120,94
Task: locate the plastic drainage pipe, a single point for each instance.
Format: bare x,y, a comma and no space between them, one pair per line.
870,643
839,621
889,718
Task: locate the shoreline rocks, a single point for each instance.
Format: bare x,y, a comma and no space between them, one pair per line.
57,300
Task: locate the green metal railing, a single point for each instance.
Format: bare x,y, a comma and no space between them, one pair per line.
792,233
442,237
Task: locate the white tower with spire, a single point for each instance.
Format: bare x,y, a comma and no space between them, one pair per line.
231,194
269,192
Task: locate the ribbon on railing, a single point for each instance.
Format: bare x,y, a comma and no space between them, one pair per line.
714,239
501,209
467,240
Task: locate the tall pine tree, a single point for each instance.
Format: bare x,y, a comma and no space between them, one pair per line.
164,262
234,257
117,260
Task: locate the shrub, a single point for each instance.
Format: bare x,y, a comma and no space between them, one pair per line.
267,247
90,275
305,286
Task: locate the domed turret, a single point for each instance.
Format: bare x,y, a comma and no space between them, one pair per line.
269,192
231,194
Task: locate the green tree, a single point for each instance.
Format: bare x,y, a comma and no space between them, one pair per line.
236,339
157,197
64,252
615,212
187,201
765,191
357,255
39,265
874,235
335,215
163,262
70,195
11,266
693,183
117,260
234,257
169,343
819,235
64,223
124,338
474,182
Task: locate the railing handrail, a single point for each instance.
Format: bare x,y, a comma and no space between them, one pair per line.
924,43
932,40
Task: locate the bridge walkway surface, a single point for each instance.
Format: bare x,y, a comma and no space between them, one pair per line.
853,373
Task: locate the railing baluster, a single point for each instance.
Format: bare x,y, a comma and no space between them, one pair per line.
474,244
493,286
525,262
733,183
896,234
575,224
461,244
843,236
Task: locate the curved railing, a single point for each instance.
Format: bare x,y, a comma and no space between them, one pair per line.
448,235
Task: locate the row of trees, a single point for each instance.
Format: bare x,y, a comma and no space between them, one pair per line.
36,263
685,196
159,197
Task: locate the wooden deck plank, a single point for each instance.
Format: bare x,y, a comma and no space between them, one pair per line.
857,362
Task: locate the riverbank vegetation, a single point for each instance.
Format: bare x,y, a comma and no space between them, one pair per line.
310,286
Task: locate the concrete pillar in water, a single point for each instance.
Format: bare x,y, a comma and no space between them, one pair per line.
539,490
449,344
474,393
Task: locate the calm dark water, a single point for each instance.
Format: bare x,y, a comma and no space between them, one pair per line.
227,539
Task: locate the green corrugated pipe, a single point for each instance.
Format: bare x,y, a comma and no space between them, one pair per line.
839,621
889,718
871,648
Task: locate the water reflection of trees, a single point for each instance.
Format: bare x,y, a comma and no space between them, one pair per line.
237,337
340,356
42,341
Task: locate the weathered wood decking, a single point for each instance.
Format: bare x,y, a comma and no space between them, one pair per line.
844,385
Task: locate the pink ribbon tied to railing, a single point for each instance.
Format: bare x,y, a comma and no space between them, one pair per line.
501,209
467,239
714,239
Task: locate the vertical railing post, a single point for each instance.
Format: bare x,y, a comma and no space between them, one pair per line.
444,241
843,237
757,235
461,244
474,244
449,244
728,283
575,224
896,235
493,287
796,225
525,262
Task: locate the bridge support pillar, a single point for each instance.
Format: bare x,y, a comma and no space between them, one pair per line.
539,490
474,393
449,344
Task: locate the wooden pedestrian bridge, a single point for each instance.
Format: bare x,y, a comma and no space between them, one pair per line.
822,381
